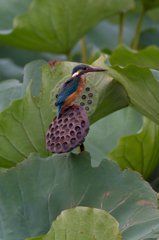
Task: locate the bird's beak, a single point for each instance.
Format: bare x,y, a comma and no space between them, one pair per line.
97,70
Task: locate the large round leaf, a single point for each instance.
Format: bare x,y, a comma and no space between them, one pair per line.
154,180
149,37
154,14
35,192
104,134
112,95
17,55
148,57
55,26
13,89
150,4
99,37
9,70
140,151
83,223
9,9
24,125
9,90
32,72
142,89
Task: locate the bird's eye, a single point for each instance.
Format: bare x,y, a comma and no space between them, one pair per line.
84,68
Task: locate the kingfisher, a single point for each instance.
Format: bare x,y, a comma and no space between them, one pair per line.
74,86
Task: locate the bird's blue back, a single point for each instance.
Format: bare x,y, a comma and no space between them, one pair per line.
67,89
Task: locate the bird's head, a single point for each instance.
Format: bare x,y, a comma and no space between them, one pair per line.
84,70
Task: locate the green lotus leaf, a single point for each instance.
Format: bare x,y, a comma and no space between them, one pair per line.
9,90
23,126
35,192
99,37
55,26
148,57
154,180
141,87
13,89
9,10
139,151
83,223
9,70
149,36
154,14
32,72
20,57
150,4
104,134
112,95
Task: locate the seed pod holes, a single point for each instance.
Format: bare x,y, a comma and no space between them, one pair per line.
88,98
69,131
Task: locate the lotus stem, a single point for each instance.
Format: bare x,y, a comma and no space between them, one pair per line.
81,148
83,50
121,27
137,32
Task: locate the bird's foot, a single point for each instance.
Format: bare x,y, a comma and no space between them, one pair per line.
74,105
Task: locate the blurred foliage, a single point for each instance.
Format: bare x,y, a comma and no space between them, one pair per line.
33,33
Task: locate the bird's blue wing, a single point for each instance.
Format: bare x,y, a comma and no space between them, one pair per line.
66,83
67,89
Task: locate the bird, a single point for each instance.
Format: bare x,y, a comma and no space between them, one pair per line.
74,86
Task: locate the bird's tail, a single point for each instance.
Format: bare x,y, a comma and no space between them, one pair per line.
59,109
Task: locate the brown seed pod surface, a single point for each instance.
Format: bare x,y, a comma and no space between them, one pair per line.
68,131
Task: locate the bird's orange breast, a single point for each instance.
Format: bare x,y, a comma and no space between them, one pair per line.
71,98
80,87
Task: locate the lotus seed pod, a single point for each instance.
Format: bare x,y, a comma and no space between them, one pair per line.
68,131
